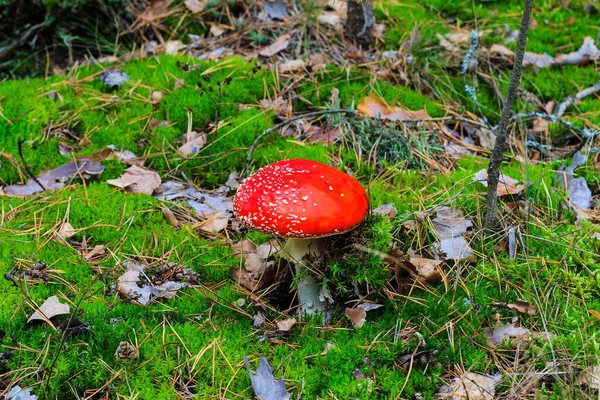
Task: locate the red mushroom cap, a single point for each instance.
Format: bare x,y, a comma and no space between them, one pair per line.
300,198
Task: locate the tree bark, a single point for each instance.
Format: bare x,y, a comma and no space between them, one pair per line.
497,152
359,23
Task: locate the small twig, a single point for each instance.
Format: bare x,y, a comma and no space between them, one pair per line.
497,152
284,123
20,147
576,98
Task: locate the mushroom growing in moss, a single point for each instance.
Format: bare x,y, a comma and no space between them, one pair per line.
303,201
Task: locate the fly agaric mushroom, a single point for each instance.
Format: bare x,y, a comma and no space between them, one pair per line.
303,201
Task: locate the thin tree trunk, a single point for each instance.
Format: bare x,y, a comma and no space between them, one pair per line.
497,153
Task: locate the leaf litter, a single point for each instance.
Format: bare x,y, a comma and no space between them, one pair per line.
470,385
450,226
137,180
358,314
506,184
259,268
142,283
263,382
56,178
49,309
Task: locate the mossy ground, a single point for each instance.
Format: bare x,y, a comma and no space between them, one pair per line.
199,336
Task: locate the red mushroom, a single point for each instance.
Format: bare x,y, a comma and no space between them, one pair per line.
301,200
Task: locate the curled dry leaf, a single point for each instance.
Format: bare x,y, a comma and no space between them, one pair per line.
258,271
286,325
506,184
50,308
278,45
523,307
387,210
428,270
174,47
114,78
470,386
205,204
137,180
215,224
375,107
358,315
66,231
192,143
507,331
56,178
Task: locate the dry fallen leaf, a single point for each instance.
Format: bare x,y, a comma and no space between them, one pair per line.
523,307
192,143
456,249
51,308
358,315
450,223
194,6
589,377
56,178
66,231
586,53
506,184
141,286
264,384
276,9
137,180
291,66
258,271
375,107
215,225
331,18
501,333
470,386
174,46
580,195
428,270
286,324
278,45
387,210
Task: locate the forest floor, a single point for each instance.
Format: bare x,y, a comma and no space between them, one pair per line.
128,277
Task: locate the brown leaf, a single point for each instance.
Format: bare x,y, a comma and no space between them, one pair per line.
332,19
278,45
470,386
215,225
286,324
540,127
291,66
506,184
358,315
523,307
174,46
192,143
66,231
375,107
243,247
258,272
429,270
501,333
450,222
137,180
50,308
589,377
158,7
194,6
387,210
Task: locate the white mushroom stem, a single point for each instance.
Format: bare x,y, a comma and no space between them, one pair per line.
308,288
